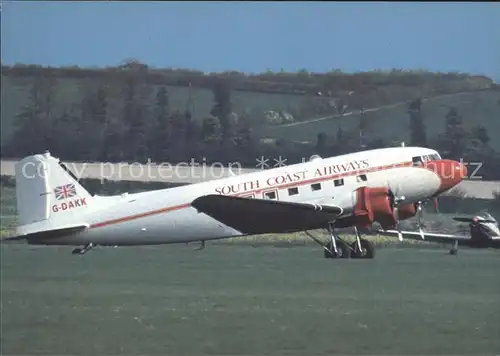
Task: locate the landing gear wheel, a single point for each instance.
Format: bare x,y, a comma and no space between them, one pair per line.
454,249
343,250
367,249
84,250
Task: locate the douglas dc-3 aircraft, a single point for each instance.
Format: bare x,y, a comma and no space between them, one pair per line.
352,190
484,233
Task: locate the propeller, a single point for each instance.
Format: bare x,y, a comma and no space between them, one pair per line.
436,204
396,199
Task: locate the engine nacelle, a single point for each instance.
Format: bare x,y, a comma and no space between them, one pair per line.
407,211
374,205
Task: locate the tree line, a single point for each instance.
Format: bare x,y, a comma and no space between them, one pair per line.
302,82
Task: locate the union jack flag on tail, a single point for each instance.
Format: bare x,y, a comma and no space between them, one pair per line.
65,191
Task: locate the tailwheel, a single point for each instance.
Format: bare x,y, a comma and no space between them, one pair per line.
454,249
367,249
343,250
83,250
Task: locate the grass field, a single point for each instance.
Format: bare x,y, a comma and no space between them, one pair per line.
8,212
234,299
248,301
481,108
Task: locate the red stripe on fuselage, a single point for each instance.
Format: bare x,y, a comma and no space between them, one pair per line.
255,191
138,216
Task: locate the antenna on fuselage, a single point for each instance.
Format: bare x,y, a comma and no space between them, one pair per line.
403,144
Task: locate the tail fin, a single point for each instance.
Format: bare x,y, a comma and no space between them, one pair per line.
49,197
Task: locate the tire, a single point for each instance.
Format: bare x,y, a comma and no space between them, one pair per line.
367,249
343,250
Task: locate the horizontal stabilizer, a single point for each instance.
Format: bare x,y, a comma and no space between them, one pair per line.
262,216
49,234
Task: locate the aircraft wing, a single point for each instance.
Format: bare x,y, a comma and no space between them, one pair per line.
428,236
262,216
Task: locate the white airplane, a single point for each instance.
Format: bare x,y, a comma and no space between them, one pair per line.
352,190
484,233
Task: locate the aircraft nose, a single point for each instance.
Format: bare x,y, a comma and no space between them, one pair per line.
450,172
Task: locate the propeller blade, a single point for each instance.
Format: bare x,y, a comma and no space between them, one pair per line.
436,204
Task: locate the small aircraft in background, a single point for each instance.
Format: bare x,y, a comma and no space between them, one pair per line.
484,233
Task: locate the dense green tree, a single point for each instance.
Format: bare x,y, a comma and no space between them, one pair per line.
136,117
33,125
321,143
340,134
210,130
66,128
95,123
418,136
480,133
222,107
163,129
454,140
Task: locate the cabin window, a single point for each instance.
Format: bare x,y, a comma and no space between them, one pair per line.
270,195
316,186
293,191
248,196
417,161
338,182
362,178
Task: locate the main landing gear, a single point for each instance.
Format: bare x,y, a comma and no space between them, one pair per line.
83,250
338,248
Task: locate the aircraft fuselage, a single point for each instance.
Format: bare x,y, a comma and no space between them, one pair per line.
166,216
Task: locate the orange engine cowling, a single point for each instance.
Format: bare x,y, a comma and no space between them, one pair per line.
374,205
407,211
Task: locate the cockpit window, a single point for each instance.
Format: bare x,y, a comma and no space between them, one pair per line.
417,161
